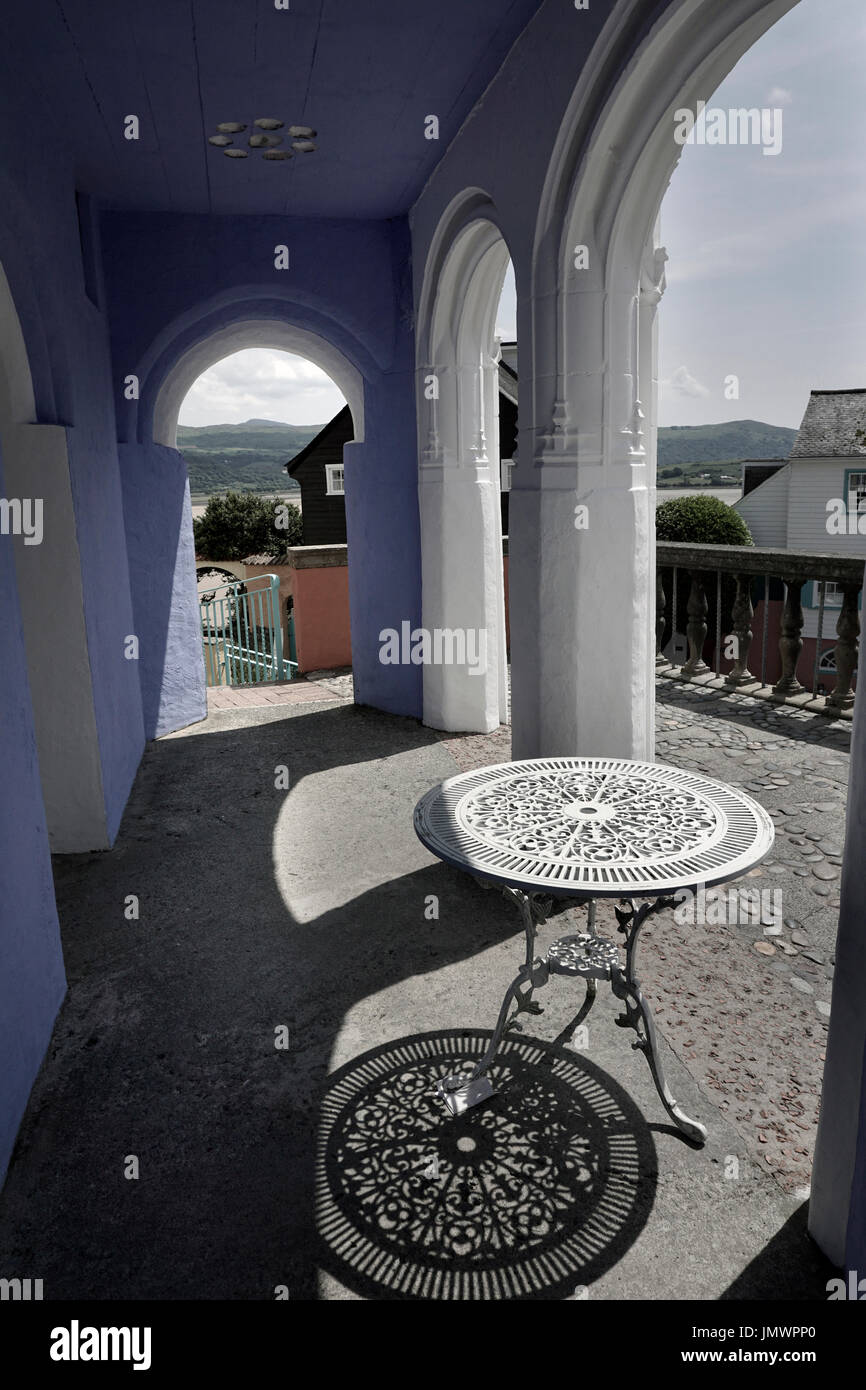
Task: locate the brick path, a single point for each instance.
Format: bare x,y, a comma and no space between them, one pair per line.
298,692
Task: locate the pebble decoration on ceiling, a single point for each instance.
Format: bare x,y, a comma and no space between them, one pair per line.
263,138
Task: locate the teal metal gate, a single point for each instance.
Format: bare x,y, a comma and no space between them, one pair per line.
290,627
241,632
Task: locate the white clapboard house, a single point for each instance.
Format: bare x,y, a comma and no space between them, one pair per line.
815,500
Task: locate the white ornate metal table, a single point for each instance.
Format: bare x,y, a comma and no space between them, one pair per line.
589,828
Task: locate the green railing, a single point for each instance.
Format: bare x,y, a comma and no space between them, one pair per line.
242,634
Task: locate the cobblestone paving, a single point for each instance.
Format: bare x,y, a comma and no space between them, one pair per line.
745,1002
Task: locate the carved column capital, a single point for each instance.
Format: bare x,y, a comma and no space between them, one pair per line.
558,442
652,274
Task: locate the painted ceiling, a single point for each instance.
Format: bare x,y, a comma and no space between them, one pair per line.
363,74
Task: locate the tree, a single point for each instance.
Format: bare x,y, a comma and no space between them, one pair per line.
237,524
706,520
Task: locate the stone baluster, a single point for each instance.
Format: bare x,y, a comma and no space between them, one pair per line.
791,640
848,632
741,624
696,628
661,603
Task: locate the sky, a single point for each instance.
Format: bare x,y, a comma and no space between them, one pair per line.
765,277
261,384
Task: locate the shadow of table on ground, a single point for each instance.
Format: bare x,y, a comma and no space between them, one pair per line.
529,1196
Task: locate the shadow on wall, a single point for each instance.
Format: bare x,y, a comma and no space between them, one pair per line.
157,516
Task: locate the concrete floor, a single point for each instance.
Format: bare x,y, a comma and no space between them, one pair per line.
323,1167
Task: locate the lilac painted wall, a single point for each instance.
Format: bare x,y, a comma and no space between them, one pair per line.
159,543
95,478
173,281
67,346
32,980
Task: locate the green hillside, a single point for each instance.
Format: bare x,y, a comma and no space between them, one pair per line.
713,449
249,456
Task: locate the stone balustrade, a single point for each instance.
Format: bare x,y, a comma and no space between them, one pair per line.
747,566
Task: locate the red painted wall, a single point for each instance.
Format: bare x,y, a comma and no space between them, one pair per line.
322,631
321,606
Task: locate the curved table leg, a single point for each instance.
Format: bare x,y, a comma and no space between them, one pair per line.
638,1014
568,1032
462,1090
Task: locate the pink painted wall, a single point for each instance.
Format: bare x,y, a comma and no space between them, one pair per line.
322,632
773,672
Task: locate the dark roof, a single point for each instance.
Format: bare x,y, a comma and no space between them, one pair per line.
760,471
314,443
508,382
830,424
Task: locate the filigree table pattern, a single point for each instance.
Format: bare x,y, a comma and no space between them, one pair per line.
514,1185
591,817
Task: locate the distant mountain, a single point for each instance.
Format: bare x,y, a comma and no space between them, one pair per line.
713,448
249,456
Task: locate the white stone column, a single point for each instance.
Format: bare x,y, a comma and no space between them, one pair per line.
461,552
493,515
839,1129
459,484
581,547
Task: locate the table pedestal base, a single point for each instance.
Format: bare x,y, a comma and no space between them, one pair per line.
588,957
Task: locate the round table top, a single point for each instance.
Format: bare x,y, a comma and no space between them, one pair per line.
593,827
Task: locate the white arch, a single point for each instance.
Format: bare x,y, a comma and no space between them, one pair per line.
253,333
593,429
459,485
590,414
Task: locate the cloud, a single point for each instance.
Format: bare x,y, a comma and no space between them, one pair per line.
259,383
684,384
779,96
759,242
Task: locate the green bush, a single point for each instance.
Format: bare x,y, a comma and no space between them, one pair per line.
237,524
701,519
